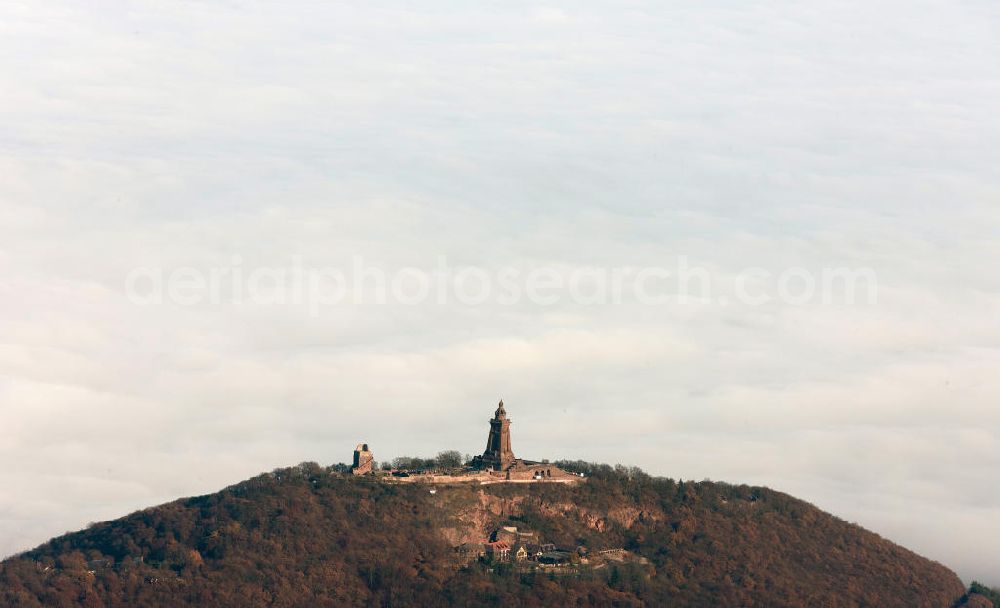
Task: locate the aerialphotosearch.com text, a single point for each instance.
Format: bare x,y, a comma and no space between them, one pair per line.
359,283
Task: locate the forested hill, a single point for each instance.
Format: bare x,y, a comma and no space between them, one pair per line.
309,536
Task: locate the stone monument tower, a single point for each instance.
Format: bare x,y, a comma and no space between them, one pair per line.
498,454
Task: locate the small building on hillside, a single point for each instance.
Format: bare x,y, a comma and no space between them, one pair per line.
534,550
555,558
521,554
470,552
513,536
498,551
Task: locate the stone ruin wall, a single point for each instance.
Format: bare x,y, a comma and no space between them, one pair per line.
364,460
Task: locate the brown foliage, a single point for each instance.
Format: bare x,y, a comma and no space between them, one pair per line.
309,536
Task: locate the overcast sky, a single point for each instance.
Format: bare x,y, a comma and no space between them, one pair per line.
167,135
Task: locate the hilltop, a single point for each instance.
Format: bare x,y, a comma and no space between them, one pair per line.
315,536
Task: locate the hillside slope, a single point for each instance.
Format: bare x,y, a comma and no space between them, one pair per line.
307,536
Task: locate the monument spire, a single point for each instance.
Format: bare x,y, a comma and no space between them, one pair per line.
498,454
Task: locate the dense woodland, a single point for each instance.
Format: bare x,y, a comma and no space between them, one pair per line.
311,536
980,596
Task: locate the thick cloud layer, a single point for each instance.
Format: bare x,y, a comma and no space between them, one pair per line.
524,135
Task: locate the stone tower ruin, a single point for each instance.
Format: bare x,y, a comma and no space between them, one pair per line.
364,460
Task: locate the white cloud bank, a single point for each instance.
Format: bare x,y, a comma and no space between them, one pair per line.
572,135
